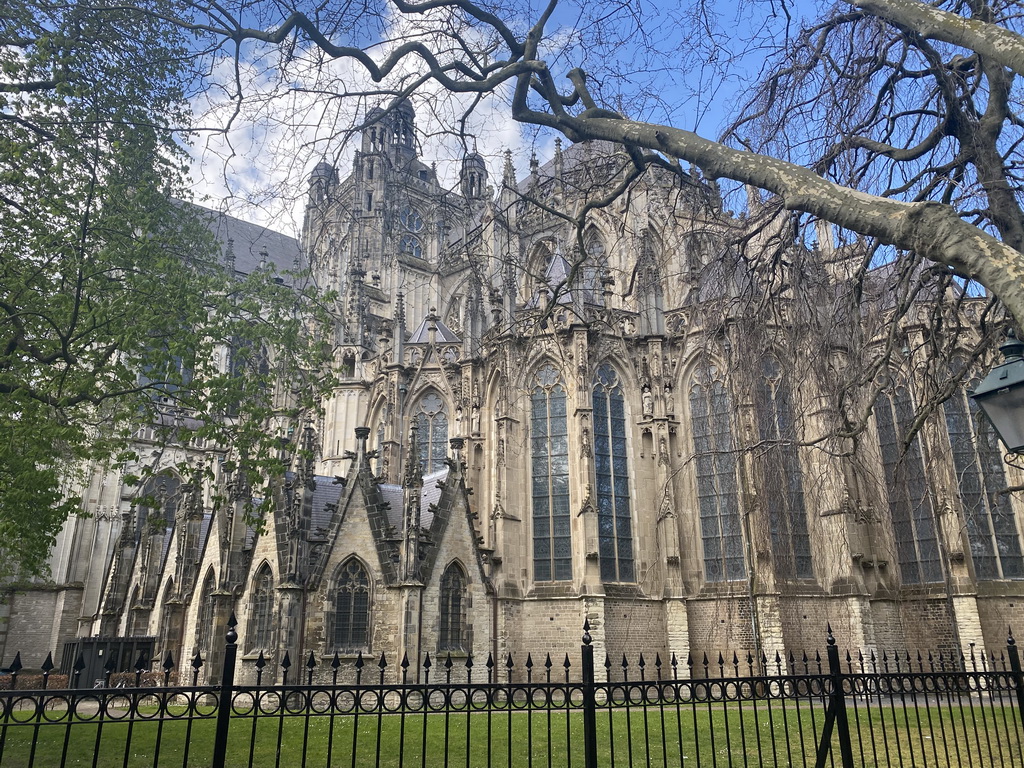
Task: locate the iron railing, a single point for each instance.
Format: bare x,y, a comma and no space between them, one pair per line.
880,709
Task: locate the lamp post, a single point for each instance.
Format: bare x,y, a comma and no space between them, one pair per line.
1001,395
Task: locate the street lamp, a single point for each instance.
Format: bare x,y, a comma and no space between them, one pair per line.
1001,395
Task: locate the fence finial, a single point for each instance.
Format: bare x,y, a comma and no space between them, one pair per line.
587,639
232,635
831,640
1009,636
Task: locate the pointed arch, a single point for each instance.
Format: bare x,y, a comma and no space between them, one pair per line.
160,496
348,618
611,471
260,631
910,500
717,488
430,415
453,630
549,469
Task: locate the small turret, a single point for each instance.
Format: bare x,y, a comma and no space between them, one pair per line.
322,182
473,177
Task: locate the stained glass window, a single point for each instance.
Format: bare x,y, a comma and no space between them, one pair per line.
453,609
988,517
549,451
615,536
910,504
432,433
351,608
782,483
261,612
717,494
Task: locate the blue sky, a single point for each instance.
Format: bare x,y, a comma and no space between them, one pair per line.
677,63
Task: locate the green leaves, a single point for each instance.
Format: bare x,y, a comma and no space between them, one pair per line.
115,312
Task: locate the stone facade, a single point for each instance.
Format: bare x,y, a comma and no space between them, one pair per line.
540,424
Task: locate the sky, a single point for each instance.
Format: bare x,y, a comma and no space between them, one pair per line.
684,63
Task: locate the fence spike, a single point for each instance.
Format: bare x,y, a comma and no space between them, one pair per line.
607,662
311,661
657,660
625,661
508,661
427,663
79,664
142,662
359,660
48,664
111,666
261,661
830,639
16,666
642,663
197,661
383,663
286,662
168,664
447,663
587,639
547,662
567,663
529,661
469,661
1009,636
405,661
231,635
335,662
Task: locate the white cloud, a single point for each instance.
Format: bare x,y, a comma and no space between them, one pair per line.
253,155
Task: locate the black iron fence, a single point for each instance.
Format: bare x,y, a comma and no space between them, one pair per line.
887,709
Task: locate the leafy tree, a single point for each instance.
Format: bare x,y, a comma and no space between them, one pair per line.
113,300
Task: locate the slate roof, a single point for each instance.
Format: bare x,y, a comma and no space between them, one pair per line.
249,240
445,335
430,495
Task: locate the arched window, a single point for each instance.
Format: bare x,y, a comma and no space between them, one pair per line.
351,620
782,484
204,625
615,536
158,505
259,636
453,609
989,519
910,505
431,433
717,495
549,452
409,245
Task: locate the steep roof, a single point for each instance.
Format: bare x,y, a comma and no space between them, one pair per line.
249,241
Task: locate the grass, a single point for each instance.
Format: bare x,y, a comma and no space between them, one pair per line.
721,737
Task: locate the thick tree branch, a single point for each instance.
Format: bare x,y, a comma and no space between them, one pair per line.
932,23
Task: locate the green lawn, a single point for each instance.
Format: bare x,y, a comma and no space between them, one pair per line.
765,737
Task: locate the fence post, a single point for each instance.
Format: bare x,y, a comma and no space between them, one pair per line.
589,700
220,739
835,714
1018,676
839,702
